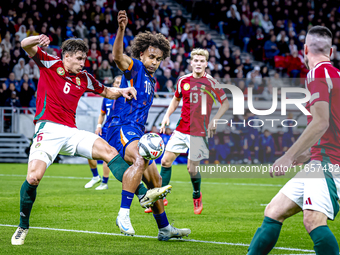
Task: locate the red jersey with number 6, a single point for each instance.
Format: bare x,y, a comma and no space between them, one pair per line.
323,82
195,114
59,91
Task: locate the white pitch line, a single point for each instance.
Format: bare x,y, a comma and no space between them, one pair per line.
113,179
153,237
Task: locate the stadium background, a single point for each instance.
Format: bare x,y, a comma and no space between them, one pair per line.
253,44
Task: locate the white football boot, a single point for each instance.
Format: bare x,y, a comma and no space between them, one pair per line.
93,181
102,186
164,234
124,224
152,195
19,236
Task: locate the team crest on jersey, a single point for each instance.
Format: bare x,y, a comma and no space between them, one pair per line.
186,86
60,71
38,145
78,81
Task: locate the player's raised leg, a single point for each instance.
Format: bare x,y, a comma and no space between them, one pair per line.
95,176
280,208
153,180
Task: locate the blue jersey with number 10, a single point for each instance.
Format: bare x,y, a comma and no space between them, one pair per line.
134,112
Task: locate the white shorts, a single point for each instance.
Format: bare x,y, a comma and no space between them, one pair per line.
51,139
180,143
316,187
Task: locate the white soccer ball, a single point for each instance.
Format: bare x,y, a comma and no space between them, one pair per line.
151,146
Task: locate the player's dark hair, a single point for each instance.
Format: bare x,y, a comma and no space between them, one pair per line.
320,31
72,46
143,40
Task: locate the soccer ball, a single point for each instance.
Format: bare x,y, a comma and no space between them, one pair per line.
151,146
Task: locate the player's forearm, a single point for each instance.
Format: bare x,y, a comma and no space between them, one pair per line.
29,44
173,106
118,46
111,93
101,119
308,138
223,108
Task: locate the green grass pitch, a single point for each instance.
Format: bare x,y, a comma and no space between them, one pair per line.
233,210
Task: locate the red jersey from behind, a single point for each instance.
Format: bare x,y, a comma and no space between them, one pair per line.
191,89
59,91
323,82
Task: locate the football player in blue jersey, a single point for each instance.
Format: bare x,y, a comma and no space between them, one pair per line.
107,108
128,125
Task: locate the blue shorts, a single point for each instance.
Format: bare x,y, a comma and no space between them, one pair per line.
120,137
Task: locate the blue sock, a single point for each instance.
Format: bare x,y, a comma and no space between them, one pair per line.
161,219
105,179
126,199
94,172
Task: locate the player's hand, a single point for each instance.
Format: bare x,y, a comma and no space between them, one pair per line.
122,19
129,93
305,156
211,129
281,166
98,131
44,40
165,122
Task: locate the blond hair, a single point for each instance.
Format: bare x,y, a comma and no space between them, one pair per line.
200,52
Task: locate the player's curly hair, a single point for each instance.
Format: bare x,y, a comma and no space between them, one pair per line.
143,40
73,46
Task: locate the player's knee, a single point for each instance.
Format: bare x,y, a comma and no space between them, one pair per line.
272,211
140,163
33,178
312,220
166,162
110,152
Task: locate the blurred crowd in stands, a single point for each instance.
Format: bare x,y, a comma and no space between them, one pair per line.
262,41
272,32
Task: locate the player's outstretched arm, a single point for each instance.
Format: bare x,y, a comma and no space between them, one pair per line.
114,93
122,61
223,108
314,131
29,44
172,107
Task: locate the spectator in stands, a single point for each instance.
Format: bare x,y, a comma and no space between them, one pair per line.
11,79
169,87
3,94
257,43
30,82
210,41
104,73
267,147
25,94
267,92
246,32
33,100
164,78
13,100
10,89
81,30
31,31
292,46
177,27
19,69
57,38
255,77
266,23
294,67
4,68
6,26
271,49
223,150
106,51
189,43
7,42
282,44
33,71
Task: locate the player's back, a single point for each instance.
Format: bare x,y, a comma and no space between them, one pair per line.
323,82
135,112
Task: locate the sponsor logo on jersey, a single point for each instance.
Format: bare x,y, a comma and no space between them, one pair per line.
131,133
186,86
60,71
308,201
38,145
78,81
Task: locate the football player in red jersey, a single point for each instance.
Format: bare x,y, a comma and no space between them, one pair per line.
192,129
316,189
61,84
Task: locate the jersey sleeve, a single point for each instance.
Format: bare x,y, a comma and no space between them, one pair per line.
221,95
319,85
44,60
178,92
132,71
103,110
93,85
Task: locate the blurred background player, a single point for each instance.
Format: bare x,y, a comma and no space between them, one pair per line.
128,126
192,129
251,138
316,189
267,147
107,108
